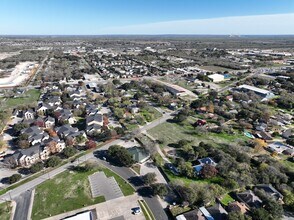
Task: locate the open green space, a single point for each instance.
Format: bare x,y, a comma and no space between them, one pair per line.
180,82
5,210
150,113
186,180
215,68
169,133
28,98
68,191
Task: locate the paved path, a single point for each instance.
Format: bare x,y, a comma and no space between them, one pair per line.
152,201
120,208
23,202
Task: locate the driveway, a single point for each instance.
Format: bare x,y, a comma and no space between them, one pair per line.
149,167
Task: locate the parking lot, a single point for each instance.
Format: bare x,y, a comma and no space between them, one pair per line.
120,208
104,186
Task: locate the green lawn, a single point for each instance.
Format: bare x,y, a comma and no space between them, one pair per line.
69,191
172,133
137,168
186,180
28,98
215,68
180,82
177,210
5,210
131,127
150,113
227,199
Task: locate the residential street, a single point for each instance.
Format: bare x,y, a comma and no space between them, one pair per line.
129,175
154,204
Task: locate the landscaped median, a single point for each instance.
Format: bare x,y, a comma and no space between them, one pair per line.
146,210
70,190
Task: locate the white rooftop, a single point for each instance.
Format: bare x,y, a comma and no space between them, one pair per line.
255,89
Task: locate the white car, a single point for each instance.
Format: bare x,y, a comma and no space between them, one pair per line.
136,210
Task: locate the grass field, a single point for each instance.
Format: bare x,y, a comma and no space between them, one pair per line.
69,191
180,82
214,180
215,68
171,133
29,97
5,210
150,113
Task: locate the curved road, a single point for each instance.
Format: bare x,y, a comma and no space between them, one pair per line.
152,202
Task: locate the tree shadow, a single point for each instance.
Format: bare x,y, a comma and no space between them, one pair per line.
136,181
24,171
145,191
5,180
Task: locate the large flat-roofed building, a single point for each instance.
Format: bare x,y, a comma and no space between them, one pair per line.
265,94
216,77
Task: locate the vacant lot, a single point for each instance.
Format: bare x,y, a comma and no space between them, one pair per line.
5,211
170,133
215,68
28,98
68,191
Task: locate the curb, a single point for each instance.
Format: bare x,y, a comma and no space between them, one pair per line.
13,204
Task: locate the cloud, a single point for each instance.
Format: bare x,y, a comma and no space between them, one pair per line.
275,24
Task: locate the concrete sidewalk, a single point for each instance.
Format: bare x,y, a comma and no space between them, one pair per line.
120,207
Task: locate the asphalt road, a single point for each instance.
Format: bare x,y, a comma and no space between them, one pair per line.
22,205
133,179
154,204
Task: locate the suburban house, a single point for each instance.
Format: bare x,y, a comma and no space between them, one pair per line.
193,214
43,109
49,122
269,190
238,207
29,114
94,123
53,101
139,154
250,199
29,156
277,147
66,115
202,162
35,134
217,212
67,131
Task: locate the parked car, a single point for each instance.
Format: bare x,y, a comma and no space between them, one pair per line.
136,210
